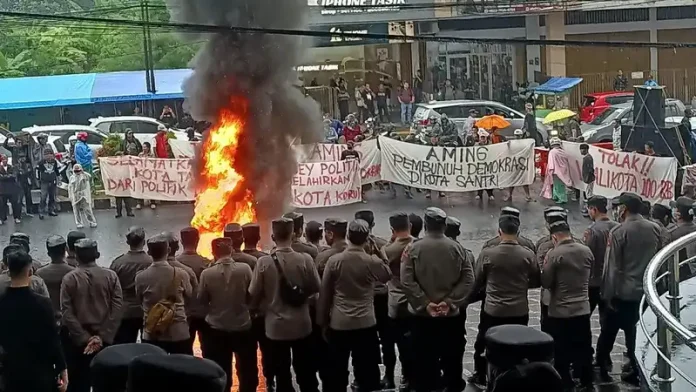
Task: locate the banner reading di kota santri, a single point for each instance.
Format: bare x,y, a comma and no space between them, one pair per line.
458,169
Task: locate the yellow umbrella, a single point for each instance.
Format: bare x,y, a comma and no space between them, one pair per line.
558,115
491,121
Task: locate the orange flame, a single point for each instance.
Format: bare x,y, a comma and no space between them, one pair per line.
222,196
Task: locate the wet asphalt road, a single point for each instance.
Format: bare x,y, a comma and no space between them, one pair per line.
479,223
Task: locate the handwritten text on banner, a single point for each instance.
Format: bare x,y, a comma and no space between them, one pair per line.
458,169
147,178
326,184
370,159
615,172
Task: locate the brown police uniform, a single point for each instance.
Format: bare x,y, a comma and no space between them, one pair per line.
159,281
505,273
338,246
595,238
302,247
287,327
346,307
524,241
566,274
245,258
52,275
127,266
255,252
223,289
195,310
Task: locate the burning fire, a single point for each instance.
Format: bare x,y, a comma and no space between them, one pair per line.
222,195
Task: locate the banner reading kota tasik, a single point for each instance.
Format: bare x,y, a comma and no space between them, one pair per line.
370,158
458,169
616,171
147,178
326,184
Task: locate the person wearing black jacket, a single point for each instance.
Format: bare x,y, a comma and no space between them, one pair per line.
48,174
32,357
8,191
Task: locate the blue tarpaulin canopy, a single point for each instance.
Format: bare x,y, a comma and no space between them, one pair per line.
557,85
65,90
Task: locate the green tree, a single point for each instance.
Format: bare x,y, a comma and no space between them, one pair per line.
15,66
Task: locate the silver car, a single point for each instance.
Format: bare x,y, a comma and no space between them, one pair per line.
458,111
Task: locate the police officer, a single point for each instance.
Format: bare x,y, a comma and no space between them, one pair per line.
24,240
631,246
288,327
73,237
335,230
223,290
595,237
126,267
524,241
566,274
544,245
236,234
505,272
314,232
191,305
189,257
91,303
662,215
252,235
437,294
416,225
452,228
53,273
399,316
36,283
685,224
346,311
297,245
547,237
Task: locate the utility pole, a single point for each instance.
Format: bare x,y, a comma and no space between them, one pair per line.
149,48
146,43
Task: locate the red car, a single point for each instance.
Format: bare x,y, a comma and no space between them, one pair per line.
594,104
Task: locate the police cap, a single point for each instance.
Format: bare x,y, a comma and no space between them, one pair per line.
314,226
510,211
632,201
453,222
435,214
597,201
86,243
176,372
135,232
233,230
559,216
20,236
221,246
158,239
682,204
549,210
55,240
615,202
366,215
109,368
400,219
335,224
282,226
251,230
297,219
505,220
661,210
359,226
73,236
559,227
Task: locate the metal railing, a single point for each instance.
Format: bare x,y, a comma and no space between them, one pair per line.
669,326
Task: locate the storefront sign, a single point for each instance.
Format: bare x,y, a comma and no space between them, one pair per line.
326,184
340,40
336,7
147,178
513,7
316,67
458,169
651,178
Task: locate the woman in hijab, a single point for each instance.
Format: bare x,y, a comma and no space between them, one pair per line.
557,174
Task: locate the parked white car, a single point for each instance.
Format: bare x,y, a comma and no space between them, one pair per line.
64,132
144,128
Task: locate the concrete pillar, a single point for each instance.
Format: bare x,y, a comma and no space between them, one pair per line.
533,59
653,39
555,55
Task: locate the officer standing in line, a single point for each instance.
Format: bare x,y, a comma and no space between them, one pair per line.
632,245
191,305
127,266
662,215
335,230
195,310
347,314
223,291
505,272
234,232
73,237
251,232
566,275
297,245
416,225
399,316
288,326
685,225
524,241
547,237
53,273
373,246
595,238
91,302
25,241
452,228
314,232
437,295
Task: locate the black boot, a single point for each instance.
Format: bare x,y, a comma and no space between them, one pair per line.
631,378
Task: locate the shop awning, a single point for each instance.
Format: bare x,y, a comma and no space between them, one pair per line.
79,89
557,85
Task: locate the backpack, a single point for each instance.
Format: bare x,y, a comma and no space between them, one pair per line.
290,293
161,316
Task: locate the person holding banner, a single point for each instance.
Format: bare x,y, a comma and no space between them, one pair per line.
519,134
557,174
484,139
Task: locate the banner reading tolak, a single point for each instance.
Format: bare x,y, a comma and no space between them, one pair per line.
370,159
652,178
326,184
458,169
147,178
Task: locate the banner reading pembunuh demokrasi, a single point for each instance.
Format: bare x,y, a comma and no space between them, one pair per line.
458,169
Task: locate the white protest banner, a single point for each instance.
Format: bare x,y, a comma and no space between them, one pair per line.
652,178
326,184
183,148
370,158
147,178
458,169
